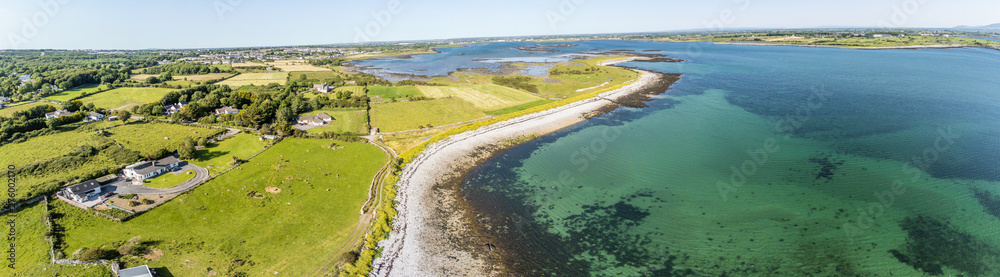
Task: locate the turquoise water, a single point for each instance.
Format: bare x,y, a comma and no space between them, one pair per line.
762,161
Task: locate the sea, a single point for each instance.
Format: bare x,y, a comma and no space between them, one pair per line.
760,161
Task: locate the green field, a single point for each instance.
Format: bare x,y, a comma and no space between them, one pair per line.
315,76
393,92
32,251
484,97
219,156
121,98
256,79
301,231
354,90
168,180
22,107
149,138
66,95
402,116
353,121
569,84
190,80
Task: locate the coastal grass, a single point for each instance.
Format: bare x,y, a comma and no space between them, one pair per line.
519,107
463,78
571,85
32,250
66,95
256,79
300,231
402,142
8,111
219,156
485,97
169,179
150,138
352,121
384,92
121,98
402,116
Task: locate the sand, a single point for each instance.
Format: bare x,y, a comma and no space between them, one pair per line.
430,236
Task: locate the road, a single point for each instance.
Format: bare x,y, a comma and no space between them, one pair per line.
201,175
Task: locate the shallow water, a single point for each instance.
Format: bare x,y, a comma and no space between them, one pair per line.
774,161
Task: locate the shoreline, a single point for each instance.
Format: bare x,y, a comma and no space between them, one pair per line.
432,231
941,46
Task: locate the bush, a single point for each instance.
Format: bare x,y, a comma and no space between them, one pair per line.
92,254
131,247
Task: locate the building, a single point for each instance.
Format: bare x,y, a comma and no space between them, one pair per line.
226,110
173,108
322,88
146,170
139,271
83,191
94,116
112,118
57,114
315,120
4,99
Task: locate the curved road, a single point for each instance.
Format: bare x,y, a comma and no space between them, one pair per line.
201,175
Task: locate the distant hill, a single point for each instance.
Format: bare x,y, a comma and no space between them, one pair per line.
987,27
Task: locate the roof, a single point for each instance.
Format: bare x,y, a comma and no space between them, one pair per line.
139,271
226,109
58,113
106,178
81,188
147,167
94,114
324,116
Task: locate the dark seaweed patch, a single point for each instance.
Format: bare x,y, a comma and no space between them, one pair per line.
931,245
990,202
828,167
604,229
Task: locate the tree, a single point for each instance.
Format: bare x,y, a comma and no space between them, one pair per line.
72,106
124,115
52,123
187,149
153,80
203,142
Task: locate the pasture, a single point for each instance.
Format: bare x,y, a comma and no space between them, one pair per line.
22,107
150,138
250,64
32,251
122,98
354,90
354,121
300,229
484,97
256,79
386,93
67,95
570,85
403,116
295,65
219,156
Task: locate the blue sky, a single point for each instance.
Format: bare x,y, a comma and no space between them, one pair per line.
119,24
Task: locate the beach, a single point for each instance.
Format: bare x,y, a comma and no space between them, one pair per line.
432,233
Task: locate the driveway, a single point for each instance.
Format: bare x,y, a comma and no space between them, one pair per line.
201,175
231,132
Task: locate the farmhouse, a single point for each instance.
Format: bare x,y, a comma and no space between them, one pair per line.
315,120
324,88
146,170
4,99
93,116
173,108
139,271
57,114
226,110
82,191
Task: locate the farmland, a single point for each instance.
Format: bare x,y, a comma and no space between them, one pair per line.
353,121
354,90
300,229
296,65
256,79
22,107
484,97
32,251
402,116
385,93
137,136
66,95
122,98
219,156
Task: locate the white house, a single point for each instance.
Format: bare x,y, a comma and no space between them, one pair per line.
93,116
324,88
4,99
315,120
226,110
82,191
146,170
57,114
173,108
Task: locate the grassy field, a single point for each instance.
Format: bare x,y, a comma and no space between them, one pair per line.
484,97
148,138
402,116
354,90
169,179
247,64
121,98
393,92
219,156
343,121
300,231
22,107
296,65
66,95
569,84
257,79
402,142
32,251
315,76
463,78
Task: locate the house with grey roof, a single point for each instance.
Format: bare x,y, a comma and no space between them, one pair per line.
82,191
226,110
324,88
94,116
173,108
315,120
150,169
139,271
57,114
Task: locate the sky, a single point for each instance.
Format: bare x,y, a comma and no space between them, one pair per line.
120,24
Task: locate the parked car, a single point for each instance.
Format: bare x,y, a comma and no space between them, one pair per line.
109,194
